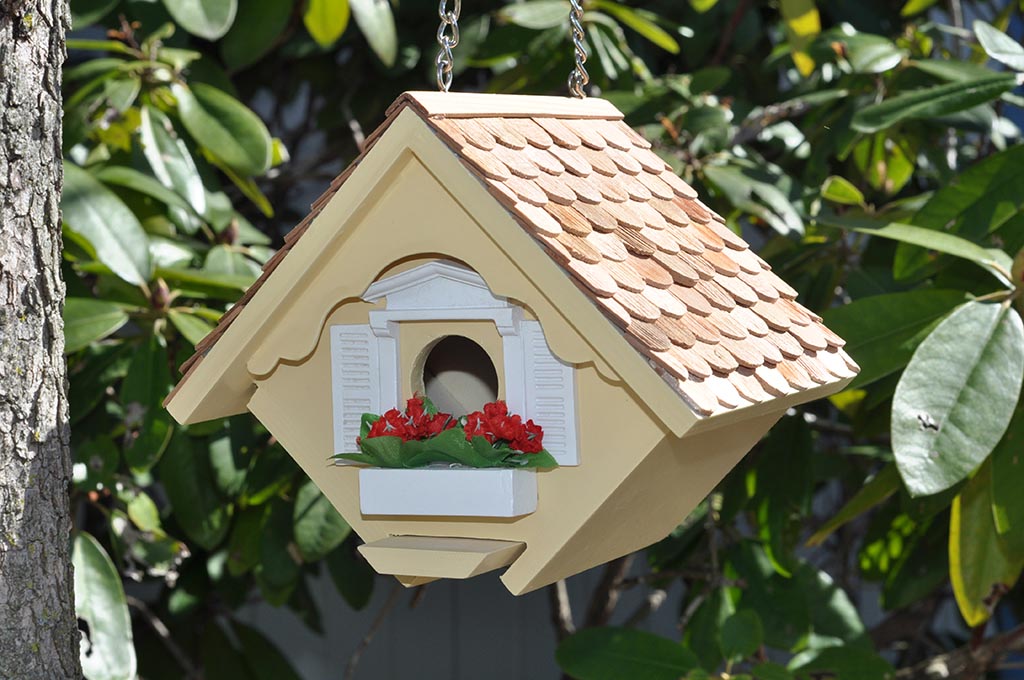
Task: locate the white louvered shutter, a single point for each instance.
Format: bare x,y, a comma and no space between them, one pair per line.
550,395
355,381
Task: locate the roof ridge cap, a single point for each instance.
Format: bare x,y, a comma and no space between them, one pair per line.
484,105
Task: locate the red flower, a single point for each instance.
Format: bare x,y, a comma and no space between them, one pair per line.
477,425
496,410
507,428
434,425
414,423
414,409
531,440
392,424
494,423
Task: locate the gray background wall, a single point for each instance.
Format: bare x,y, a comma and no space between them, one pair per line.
459,630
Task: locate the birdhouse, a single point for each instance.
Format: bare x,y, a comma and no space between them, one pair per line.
527,250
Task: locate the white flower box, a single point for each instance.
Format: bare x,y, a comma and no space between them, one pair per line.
450,492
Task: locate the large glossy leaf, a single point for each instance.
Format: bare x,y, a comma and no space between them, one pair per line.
869,53
87,320
974,204
142,393
169,157
999,46
702,635
1008,488
377,24
978,567
196,504
228,462
98,215
848,663
326,20
222,286
832,613
130,178
995,261
840,190
741,635
957,395
536,14
319,528
264,659
225,127
193,327
244,545
616,653
640,21
277,571
208,19
107,652
882,331
757,193
256,30
352,576
929,102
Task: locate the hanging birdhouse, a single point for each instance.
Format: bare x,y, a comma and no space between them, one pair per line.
595,348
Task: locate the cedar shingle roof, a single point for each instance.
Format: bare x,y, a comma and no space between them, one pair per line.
709,314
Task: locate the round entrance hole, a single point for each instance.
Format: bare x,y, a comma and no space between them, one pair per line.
459,376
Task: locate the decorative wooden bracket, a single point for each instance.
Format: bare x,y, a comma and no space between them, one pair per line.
432,557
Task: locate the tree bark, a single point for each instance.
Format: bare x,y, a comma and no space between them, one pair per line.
38,629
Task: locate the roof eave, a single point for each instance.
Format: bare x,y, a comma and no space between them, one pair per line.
777,405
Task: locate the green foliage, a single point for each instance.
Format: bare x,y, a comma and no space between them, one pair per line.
939,433
869,152
611,653
107,652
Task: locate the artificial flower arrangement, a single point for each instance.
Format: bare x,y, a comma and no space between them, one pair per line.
422,435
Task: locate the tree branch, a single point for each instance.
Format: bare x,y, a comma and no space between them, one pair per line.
606,594
561,610
382,615
730,31
162,632
969,662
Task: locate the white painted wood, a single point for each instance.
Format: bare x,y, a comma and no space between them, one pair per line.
550,399
435,285
450,492
538,385
356,381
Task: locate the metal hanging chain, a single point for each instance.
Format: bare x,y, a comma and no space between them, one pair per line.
447,38
579,77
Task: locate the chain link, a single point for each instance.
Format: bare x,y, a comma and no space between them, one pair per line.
447,38
579,77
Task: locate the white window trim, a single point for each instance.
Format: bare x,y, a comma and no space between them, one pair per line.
538,385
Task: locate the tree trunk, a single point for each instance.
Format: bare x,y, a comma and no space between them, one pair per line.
38,629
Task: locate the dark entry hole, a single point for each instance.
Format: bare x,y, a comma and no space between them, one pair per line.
459,376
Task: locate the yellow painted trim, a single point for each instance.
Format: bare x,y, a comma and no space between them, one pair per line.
410,135
439,557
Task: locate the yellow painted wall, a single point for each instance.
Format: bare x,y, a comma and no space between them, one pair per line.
294,401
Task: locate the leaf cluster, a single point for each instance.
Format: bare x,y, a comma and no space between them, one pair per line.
869,151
